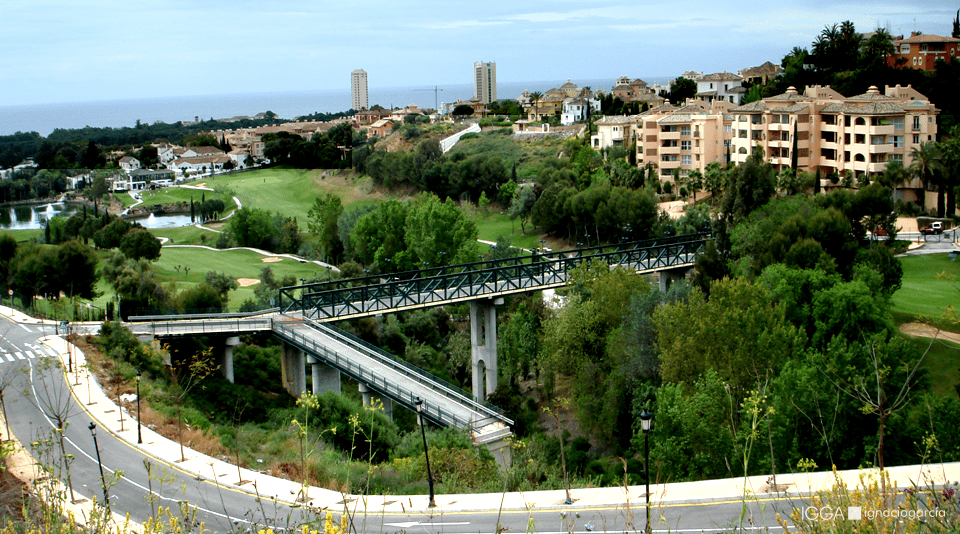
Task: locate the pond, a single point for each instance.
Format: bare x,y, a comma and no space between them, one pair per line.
34,217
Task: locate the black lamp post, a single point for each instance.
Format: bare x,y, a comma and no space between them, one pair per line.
103,481
426,456
139,431
646,419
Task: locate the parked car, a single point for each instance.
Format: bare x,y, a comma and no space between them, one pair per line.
932,228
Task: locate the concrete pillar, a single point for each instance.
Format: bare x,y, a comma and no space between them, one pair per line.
293,369
324,377
226,363
483,346
369,396
668,277
502,453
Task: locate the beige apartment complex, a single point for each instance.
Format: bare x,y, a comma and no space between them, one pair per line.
678,140
835,134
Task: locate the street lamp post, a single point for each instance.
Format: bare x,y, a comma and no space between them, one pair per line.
103,481
426,456
139,430
646,419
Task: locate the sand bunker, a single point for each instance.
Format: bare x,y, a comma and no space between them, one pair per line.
201,184
271,259
246,282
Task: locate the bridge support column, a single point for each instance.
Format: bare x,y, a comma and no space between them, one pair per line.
369,396
669,277
293,369
323,377
226,362
483,346
501,452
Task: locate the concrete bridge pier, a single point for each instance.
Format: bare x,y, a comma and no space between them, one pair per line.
323,377
483,346
668,277
369,396
293,369
226,358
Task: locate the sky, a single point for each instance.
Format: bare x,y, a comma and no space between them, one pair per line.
54,51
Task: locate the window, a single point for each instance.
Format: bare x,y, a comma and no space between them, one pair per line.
784,136
916,122
756,119
685,145
669,143
860,121
916,139
727,128
859,139
846,139
686,160
896,157
904,49
897,123
685,131
742,134
830,119
726,143
897,141
878,139
859,157
670,157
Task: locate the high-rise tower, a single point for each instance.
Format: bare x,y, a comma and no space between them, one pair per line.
485,82
359,98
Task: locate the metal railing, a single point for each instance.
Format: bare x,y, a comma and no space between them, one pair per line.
431,410
407,369
203,326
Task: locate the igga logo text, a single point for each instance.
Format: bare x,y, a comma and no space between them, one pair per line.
825,513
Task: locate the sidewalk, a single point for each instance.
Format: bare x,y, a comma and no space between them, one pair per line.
102,408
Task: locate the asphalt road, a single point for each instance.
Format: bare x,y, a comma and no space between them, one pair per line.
37,393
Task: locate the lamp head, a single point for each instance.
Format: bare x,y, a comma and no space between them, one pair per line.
419,404
139,374
646,420
93,428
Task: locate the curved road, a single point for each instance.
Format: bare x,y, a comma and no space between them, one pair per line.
37,387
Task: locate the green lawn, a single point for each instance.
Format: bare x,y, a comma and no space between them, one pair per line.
921,293
942,364
236,263
186,235
175,195
292,192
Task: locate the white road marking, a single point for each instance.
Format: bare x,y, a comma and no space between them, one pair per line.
418,524
9,357
20,356
25,328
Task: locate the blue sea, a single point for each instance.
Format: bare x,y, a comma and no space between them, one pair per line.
44,118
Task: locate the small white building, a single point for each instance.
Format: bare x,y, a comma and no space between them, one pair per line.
128,163
575,109
721,86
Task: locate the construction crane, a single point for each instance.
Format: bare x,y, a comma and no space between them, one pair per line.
436,100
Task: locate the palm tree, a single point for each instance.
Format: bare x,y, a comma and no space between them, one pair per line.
535,99
926,165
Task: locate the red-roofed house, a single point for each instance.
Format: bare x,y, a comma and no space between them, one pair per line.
922,51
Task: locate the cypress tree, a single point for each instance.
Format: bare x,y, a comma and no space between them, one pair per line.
193,217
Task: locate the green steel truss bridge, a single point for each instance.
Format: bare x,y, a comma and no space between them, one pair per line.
303,322
373,295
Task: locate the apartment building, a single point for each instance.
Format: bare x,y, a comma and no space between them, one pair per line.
720,86
359,96
678,140
613,130
485,82
833,133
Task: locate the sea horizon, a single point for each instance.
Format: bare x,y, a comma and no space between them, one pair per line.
119,113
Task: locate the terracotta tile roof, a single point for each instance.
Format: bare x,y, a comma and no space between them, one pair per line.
617,119
925,38
720,77
752,107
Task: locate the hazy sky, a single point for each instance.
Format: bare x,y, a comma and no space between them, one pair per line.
59,51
